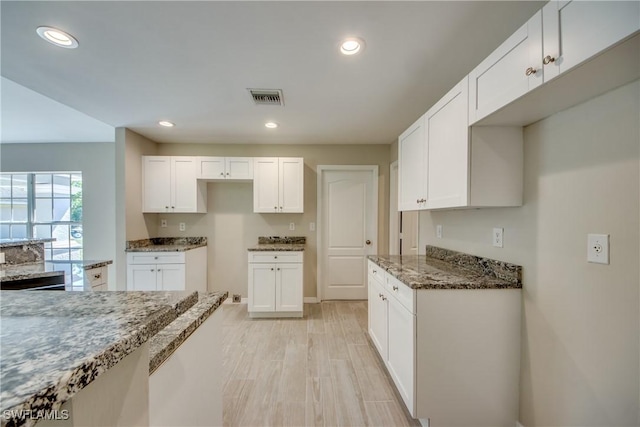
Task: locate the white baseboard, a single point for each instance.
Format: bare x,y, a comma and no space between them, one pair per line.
310,300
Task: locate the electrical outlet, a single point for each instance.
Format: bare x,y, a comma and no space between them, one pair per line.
183,226
163,223
439,231
598,248
497,237
312,226
292,226
2,260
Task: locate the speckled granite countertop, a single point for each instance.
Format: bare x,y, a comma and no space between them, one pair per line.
5,243
446,269
277,243
166,244
28,270
165,342
56,343
90,264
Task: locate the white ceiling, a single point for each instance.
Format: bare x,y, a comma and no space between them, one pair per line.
191,63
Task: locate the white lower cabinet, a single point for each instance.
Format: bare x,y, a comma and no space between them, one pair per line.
167,271
275,284
392,327
453,354
96,278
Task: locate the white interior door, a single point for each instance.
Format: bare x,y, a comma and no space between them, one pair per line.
409,240
348,209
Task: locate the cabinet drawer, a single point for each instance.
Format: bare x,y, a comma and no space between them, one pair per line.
376,272
403,293
96,276
155,257
275,257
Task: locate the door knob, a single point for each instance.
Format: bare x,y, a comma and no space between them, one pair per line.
368,242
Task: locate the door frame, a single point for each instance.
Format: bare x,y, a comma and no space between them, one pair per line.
320,170
394,213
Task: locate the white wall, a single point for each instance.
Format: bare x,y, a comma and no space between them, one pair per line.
96,161
581,330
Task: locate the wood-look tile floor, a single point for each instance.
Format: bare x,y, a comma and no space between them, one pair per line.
317,371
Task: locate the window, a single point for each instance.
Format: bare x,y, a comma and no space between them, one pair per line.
44,205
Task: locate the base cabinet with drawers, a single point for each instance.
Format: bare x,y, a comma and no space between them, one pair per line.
453,354
167,271
97,278
275,284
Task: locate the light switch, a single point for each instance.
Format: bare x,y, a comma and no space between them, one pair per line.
163,223
439,231
312,226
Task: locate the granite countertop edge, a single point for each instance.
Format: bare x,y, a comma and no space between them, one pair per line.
165,343
73,380
22,242
167,248
277,247
474,281
91,264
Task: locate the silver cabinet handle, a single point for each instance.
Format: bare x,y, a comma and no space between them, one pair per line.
548,60
227,173
275,257
97,276
272,269
395,288
221,173
152,270
368,242
530,71
278,269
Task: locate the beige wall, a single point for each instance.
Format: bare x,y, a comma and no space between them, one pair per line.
96,161
231,226
580,332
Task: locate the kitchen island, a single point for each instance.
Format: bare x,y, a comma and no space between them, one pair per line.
83,357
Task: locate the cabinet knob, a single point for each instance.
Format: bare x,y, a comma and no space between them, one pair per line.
159,270
155,257
166,207
375,271
272,269
221,173
530,71
548,60
275,257
152,270
278,268
227,173
96,276
280,207
384,298
275,208
380,295
173,207
395,288
368,242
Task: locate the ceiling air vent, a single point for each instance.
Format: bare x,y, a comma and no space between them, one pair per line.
267,96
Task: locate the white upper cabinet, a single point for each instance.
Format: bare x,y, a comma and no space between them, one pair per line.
219,168
509,72
412,167
169,185
447,128
574,31
278,185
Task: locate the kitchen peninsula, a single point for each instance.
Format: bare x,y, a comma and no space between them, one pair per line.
85,356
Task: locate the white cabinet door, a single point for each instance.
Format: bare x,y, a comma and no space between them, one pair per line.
574,31
509,72
291,185
185,190
262,287
239,167
289,287
401,351
211,167
170,277
141,277
412,162
265,185
378,318
156,184
447,130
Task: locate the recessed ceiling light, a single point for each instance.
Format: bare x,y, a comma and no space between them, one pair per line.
166,124
57,37
271,125
351,46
